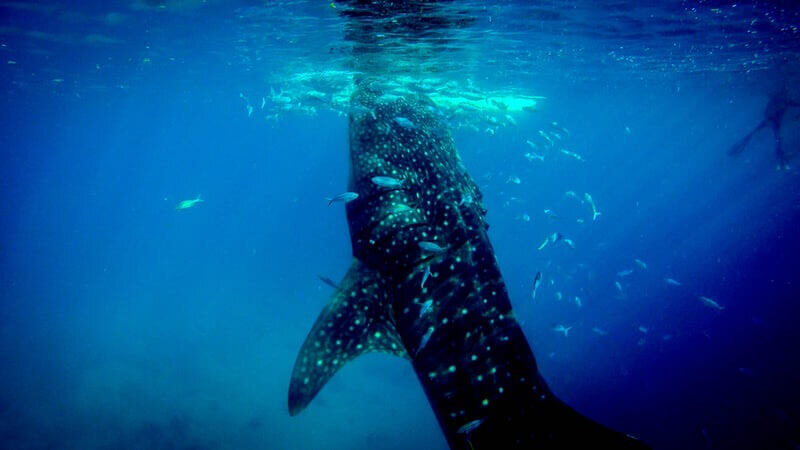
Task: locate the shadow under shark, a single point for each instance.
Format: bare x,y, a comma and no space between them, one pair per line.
444,306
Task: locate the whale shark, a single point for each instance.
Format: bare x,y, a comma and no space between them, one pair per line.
425,285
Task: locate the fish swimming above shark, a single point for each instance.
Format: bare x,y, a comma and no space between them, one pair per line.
461,336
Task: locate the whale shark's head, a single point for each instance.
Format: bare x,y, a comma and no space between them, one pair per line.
404,138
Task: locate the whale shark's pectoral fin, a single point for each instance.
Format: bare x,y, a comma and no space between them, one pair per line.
356,320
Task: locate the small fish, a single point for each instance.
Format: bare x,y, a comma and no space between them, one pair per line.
590,200
559,296
344,197
186,204
551,214
618,285
600,331
524,217
425,338
566,131
672,282
425,277
466,199
426,307
401,208
544,135
544,244
249,110
531,156
570,194
642,265
405,123
562,329
537,281
624,273
572,154
578,301
513,179
328,281
469,426
431,247
263,102
387,182
643,329
711,303
555,237
569,243
532,144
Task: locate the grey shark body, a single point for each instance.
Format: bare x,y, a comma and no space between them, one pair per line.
457,328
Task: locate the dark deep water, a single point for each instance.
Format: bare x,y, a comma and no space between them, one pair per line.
125,323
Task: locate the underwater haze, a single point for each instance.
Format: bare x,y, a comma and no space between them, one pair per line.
164,228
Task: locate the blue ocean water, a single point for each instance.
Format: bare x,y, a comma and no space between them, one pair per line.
128,323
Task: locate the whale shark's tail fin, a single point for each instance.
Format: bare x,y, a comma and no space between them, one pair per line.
356,320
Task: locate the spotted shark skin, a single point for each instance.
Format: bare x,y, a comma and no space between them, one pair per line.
467,348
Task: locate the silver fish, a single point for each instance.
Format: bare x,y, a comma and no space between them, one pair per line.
672,282
537,281
640,263
431,247
387,182
469,426
405,123
551,213
544,244
426,307
425,338
425,278
328,281
562,329
711,303
590,200
624,273
344,197
532,156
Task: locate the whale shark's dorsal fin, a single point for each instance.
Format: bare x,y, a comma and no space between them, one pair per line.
356,320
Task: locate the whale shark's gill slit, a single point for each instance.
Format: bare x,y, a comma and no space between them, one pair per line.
357,319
